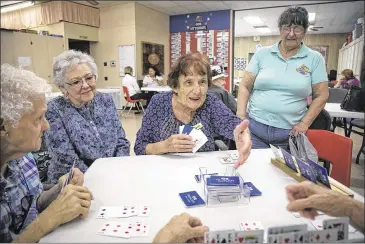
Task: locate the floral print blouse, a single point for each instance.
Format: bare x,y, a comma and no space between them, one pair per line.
83,134
159,122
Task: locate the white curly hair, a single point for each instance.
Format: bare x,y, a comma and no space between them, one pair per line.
18,88
66,61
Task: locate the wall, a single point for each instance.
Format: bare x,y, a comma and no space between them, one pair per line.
117,27
79,32
57,28
245,45
156,31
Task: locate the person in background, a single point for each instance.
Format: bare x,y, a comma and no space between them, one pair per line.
306,195
131,83
347,80
278,80
154,78
84,123
217,88
27,211
189,103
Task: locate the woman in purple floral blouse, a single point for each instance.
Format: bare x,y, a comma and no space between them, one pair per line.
189,103
84,124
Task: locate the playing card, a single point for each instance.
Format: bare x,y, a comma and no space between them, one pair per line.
219,236
275,151
199,138
301,236
133,210
144,211
296,214
181,127
286,237
318,224
251,225
320,173
322,236
340,224
138,229
191,199
253,190
234,155
226,160
113,212
69,176
306,170
187,129
288,158
114,229
255,236
286,229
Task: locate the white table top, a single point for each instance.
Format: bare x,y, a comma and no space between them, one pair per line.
156,88
157,180
334,109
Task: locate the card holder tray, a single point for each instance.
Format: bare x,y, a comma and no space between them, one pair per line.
280,164
224,199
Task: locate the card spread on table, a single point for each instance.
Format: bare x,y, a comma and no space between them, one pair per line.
197,134
191,199
251,225
124,230
320,173
234,155
306,170
126,211
226,160
289,161
253,190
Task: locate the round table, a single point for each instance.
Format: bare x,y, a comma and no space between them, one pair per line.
157,180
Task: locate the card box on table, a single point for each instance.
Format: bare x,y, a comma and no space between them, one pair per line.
240,195
280,163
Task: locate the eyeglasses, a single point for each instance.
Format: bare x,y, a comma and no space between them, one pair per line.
296,29
89,79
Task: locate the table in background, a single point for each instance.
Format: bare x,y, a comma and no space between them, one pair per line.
157,181
114,92
156,88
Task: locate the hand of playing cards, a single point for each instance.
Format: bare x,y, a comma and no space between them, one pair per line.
69,176
196,133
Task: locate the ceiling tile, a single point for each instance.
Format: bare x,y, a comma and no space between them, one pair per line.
175,10
182,3
196,8
214,5
164,4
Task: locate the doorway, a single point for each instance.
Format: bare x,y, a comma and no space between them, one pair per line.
79,45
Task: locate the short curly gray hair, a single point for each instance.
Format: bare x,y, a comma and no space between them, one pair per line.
18,88
66,61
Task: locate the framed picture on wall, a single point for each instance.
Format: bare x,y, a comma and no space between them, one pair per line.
152,55
322,50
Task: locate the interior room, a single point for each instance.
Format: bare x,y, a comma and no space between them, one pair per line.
169,86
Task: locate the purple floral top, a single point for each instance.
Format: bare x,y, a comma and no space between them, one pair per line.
159,122
347,84
83,134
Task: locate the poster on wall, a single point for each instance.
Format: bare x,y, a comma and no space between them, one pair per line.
153,55
322,50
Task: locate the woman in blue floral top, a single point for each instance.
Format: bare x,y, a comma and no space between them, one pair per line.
84,124
189,103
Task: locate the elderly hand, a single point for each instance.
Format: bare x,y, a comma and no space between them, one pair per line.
243,142
306,198
179,143
77,178
301,127
181,229
74,201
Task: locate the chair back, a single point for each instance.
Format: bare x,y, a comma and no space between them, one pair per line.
322,122
334,148
128,98
336,95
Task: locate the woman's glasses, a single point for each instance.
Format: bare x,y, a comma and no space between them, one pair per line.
77,83
296,29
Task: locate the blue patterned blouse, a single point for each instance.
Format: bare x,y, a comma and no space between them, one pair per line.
159,122
83,134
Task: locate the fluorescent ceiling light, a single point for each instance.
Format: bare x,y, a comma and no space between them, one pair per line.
309,28
263,29
311,17
17,6
254,20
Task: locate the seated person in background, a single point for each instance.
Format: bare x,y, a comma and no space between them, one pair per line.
27,212
347,80
189,103
217,88
131,83
154,78
185,228
84,123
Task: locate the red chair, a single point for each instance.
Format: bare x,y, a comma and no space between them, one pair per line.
131,102
335,148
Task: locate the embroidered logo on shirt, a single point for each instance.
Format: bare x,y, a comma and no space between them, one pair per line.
304,70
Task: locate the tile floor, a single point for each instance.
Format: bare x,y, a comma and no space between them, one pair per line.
131,123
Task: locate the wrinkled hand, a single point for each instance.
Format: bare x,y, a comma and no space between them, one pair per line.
179,143
181,229
77,178
243,142
306,198
74,201
301,127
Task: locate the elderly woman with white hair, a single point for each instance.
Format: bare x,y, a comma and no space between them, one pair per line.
27,212
84,123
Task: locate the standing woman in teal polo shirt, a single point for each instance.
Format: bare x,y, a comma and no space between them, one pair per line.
277,82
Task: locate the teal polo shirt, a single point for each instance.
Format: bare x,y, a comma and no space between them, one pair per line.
281,88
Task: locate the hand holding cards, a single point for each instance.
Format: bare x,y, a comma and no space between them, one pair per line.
197,134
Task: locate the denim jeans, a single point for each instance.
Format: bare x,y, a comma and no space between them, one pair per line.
262,135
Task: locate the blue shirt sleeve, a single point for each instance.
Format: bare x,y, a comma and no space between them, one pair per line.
319,73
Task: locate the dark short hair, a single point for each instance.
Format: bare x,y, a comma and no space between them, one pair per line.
157,72
198,61
348,73
294,16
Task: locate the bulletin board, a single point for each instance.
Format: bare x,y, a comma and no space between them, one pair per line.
126,57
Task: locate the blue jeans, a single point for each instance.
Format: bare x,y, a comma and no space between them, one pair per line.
262,135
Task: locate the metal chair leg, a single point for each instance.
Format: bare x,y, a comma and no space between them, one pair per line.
140,103
124,107
130,108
